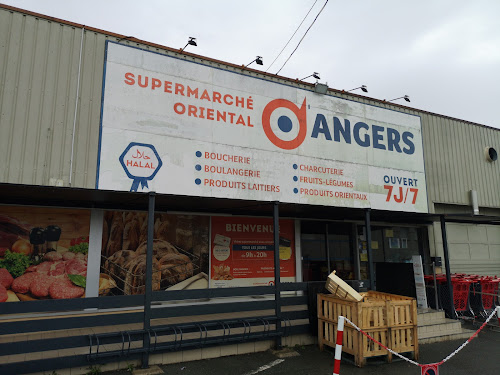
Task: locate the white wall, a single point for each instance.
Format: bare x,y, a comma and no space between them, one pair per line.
472,248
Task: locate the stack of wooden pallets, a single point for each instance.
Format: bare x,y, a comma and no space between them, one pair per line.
388,318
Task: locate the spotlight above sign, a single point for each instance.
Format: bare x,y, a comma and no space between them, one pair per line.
191,42
258,61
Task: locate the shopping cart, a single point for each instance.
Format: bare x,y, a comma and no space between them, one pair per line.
473,295
461,287
484,295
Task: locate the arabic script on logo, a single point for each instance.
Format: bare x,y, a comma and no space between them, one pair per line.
140,162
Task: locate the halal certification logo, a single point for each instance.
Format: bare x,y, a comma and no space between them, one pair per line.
141,163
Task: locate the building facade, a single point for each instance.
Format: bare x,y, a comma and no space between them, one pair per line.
78,104
59,93
92,123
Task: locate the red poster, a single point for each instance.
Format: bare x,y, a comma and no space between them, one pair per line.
242,251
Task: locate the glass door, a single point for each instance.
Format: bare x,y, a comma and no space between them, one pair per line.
326,247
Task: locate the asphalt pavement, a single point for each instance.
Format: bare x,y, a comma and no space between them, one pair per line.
480,356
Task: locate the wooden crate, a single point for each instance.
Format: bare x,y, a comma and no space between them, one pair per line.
388,318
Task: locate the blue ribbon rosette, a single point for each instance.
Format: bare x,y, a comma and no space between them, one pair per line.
141,163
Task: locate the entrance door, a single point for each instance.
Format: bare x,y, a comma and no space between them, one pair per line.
392,251
326,246
340,250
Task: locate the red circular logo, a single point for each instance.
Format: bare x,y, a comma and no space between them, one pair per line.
301,116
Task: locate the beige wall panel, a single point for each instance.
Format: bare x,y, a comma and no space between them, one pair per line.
479,251
458,251
493,234
477,234
456,233
495,252
473,249
476,267
435,246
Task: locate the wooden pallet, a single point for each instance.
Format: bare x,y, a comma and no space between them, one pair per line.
388,318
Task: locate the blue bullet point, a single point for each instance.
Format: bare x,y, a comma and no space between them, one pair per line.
198,153
295,178
295,166
197,181
197,167
295,190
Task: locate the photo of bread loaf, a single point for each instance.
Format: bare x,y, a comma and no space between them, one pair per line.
135,278
175,268
117,265
115,239
178,250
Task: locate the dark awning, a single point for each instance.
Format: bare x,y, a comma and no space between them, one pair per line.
17,194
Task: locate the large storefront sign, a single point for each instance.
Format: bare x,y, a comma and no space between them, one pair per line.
242,251
179,127
43,253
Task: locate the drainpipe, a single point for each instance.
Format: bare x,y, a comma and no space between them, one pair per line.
76,111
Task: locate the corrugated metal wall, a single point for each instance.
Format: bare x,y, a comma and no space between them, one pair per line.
39,62
38,73
455,162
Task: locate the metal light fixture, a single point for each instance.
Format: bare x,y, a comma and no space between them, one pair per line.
258,60
315,75
191,42
406,97
320,88
362,87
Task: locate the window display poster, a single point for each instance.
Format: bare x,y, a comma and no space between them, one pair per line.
242,251
180,252
43,253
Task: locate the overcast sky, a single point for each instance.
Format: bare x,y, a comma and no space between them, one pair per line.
444,54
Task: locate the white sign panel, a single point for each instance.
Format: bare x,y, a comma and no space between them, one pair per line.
418,273
178,127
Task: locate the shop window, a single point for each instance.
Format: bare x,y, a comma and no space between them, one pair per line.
391,245
401,244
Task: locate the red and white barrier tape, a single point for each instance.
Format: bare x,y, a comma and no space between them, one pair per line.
340,332
338,345
496,311
379,343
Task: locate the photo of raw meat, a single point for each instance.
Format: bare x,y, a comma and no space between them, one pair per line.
43,253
